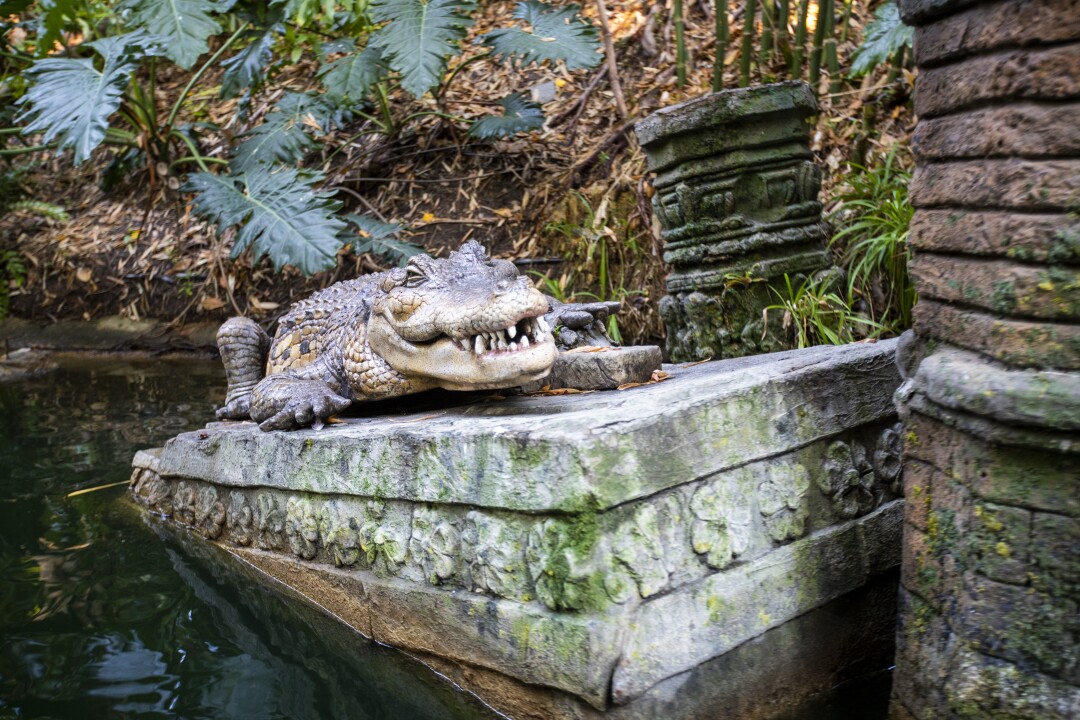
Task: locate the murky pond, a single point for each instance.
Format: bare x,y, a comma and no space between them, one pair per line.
103,615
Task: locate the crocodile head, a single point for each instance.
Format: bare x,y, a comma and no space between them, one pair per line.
462,323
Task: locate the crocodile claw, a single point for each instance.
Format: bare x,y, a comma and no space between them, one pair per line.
310,404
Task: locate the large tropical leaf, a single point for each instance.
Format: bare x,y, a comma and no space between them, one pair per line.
419,37
554,34
519,115
349,78
884,36
55,15
284,135
279,213
71,100
247,69
185,25
380,238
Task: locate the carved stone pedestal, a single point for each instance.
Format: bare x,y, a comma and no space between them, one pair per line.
736,196
727,538
990,605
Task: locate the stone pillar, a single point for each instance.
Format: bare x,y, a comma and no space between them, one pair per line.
736,196
990,597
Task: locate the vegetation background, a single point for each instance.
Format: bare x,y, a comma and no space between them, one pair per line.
188,160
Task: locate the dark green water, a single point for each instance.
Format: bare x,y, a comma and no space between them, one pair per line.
104,615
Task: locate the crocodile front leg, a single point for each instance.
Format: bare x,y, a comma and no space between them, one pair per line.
242,344
301,397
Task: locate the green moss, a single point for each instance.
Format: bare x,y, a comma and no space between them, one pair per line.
1003,298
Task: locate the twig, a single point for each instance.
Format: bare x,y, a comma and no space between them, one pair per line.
579,104
600,147
609,53
363,201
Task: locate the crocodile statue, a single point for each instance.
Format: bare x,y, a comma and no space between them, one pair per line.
466,322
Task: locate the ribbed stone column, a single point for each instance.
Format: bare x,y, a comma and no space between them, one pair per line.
990,597
736,197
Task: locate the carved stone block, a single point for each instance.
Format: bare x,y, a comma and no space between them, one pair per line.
601,547
737,200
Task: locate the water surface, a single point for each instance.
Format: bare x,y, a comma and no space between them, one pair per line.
105,614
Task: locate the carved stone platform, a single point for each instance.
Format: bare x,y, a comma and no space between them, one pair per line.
727,537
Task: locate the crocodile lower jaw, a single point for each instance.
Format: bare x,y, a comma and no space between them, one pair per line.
455,364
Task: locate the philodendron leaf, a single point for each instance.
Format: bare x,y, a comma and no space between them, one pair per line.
71,100
884,36
520,115
380,238
279,212
184,25
285,133
554,34
419,37
247,69
349,78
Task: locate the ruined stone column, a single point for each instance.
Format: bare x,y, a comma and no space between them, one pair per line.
736,197
990,597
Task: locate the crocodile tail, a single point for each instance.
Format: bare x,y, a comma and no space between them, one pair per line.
243,346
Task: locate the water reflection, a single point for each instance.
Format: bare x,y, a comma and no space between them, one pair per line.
105,614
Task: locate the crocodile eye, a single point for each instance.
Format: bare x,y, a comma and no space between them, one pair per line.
414,277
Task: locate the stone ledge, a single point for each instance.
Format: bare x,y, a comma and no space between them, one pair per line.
568,453
960,380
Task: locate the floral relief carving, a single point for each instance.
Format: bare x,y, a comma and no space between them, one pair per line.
240,519
184,503
301,527
340,532
780,499
209,512
435,545
385,547
493,552
848,480
640,543
270,522
559,559
888,458
158,495
722,522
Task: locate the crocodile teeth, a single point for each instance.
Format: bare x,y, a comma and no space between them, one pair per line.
543,324
524,342
500,335
512,331
480,346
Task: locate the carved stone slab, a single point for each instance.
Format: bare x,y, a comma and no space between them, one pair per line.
737,200
588,547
